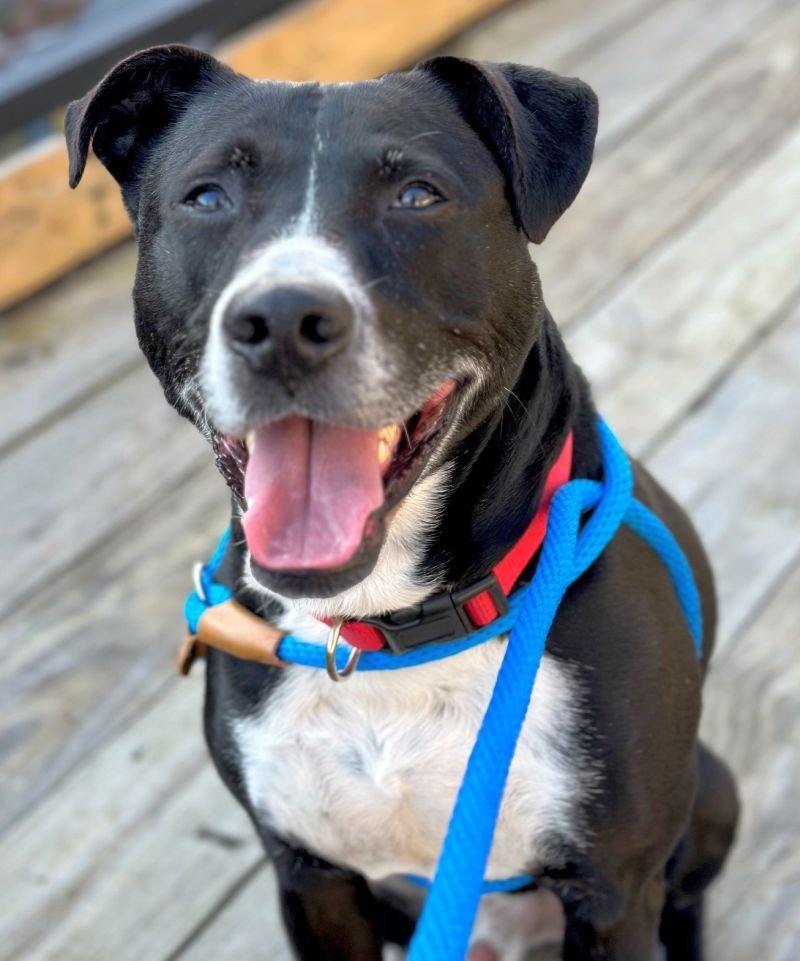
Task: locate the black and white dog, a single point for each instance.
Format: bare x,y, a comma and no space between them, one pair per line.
334,285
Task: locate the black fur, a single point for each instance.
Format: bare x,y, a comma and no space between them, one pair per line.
454,290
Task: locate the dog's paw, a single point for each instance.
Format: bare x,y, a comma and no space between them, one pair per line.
511,926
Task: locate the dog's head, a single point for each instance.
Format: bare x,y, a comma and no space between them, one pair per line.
333,280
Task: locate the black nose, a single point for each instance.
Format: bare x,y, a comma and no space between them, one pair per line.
302,324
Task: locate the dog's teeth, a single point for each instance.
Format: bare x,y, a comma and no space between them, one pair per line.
387,442
250,441
389,434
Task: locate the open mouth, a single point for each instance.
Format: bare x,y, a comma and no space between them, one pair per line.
316,494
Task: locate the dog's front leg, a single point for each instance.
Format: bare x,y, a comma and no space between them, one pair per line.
632,938
330,913
332,918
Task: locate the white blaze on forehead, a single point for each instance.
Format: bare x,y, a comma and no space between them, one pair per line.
299,254
308,221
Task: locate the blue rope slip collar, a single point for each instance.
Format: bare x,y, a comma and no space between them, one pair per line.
567,552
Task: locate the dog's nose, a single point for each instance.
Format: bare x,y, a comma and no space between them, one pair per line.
305,324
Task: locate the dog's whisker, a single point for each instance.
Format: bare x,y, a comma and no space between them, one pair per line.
419,136
525,412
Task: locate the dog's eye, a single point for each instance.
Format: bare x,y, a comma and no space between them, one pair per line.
208,198
418,195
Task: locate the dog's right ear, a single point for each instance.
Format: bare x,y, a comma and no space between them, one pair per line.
126,113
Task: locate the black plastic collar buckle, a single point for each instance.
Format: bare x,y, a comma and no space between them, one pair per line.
441,618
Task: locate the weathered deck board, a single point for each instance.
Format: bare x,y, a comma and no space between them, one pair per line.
118,456
751,718
734,461
76,668
679,159
548,32
640,67
243,930
130,855
685,312
56,350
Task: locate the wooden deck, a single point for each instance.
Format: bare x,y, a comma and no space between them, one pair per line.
676,279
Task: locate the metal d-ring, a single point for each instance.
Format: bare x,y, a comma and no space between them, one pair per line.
331,647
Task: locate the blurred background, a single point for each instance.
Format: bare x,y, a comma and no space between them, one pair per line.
675,278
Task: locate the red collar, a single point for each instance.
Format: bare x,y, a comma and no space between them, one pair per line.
450,615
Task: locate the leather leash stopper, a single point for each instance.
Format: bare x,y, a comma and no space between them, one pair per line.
190,649
230,627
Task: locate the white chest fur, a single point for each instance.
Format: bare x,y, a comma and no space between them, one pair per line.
365,773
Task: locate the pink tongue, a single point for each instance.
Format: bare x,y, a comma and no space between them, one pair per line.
310,488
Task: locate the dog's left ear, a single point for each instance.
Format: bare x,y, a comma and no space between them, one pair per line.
539,126
132,106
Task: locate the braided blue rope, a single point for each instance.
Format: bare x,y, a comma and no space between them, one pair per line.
446,923
644,522
445,926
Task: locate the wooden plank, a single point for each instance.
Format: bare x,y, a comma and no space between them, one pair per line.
47,230
750,715
84,660
682,316
679,159
733,462
549,33
72,483
57,349
641,67
371,38
247,927
132,853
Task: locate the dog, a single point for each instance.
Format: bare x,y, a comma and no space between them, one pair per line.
334,285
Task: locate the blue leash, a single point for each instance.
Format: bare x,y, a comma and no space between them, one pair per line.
568,550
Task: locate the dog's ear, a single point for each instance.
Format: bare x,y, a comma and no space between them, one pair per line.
124,115
539,126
